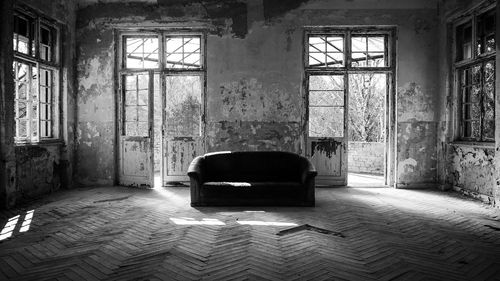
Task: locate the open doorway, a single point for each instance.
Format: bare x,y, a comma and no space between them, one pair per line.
367,129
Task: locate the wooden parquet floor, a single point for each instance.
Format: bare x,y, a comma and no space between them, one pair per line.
117,233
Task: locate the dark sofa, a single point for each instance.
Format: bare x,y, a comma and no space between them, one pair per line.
271,178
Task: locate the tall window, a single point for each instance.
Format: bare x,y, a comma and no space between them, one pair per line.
181,69
475,71
334,60
35,71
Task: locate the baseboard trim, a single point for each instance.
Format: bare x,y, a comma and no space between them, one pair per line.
417,185
484,198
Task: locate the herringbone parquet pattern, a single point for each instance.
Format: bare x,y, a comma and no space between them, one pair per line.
130,234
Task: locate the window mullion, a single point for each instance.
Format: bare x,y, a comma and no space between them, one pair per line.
347,49
37,102
481,101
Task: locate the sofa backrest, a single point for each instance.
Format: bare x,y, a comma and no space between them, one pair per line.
248,166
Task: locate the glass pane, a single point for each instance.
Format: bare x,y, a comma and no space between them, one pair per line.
21,109
317,44
325,51
326,98
376,60
475,130
475,94
34,84
45,43
476,74
358,44
142,129
34,110
192,45
466,96
143,82
131,82
334,59
467,77
192,59
45,129
358,59
174,45
367,93
131,129
335,44
489,71
485,30
34,128
141,52
464,41
130,98
44,95
316,59
131,114
143,96
22,71
183,110
489,130
45,35
23,33
326,121
326,82
22,129
183,51
46,114
376,44
22,90
475,111
489,101
142,113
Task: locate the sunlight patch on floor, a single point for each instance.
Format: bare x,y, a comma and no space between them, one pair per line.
365,180
192,221
266,223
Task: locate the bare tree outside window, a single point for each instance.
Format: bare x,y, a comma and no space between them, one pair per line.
366,107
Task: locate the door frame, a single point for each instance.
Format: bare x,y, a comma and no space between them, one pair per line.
119,65
390,70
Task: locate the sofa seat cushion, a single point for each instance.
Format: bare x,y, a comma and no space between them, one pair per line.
250,185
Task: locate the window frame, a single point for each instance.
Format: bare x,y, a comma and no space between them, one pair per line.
162,70
53,66
347,33
389,32
458,66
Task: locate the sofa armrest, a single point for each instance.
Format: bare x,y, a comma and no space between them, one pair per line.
195,170
307,171
195,173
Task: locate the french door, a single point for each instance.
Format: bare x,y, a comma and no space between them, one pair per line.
327,127
136,129
183,124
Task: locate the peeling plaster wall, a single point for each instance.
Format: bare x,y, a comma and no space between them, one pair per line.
96,107
255,73
474,170
470,169
32,170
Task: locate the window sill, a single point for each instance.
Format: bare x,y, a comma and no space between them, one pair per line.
475,144
41,143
